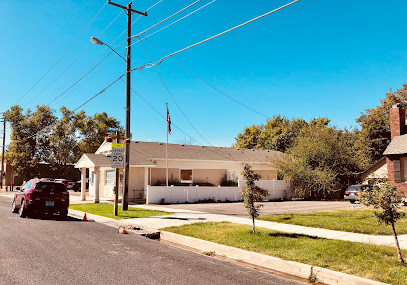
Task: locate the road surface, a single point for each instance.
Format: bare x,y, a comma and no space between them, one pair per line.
48,251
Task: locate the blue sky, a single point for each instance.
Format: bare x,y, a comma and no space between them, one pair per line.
330,58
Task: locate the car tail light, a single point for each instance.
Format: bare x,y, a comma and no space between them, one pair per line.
346,192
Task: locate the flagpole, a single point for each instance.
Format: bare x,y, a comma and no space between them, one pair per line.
166,149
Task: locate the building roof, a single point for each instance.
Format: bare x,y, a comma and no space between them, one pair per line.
374,167
398,145
92,159
145,153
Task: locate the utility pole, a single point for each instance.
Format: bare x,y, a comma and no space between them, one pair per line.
129,11
116,188
2,153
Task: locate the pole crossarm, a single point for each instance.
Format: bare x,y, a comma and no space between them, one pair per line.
125,8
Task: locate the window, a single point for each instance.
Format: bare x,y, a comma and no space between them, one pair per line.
405,170
397,172
186,175
93,178
110,177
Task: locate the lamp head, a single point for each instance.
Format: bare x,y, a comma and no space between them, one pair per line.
96,41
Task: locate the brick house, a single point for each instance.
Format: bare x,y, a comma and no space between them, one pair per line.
396,152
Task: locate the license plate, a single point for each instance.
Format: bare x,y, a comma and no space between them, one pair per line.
49,203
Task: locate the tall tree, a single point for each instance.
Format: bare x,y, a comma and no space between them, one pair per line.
29,138
278,133
374,135
321,161
93,130
63,142
41,137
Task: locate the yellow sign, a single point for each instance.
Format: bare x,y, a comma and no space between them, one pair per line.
117,145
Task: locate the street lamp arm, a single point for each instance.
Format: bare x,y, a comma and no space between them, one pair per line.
99,42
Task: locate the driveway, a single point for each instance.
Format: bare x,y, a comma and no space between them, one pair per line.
237,209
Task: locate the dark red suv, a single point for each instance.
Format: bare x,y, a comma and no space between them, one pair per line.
41,196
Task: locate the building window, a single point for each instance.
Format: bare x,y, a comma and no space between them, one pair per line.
397,171
110,177
405,170
186,175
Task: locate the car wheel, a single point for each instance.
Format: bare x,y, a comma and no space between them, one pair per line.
14,209
352,201
22,211
63,214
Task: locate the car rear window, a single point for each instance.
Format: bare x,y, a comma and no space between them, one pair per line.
50,187
354,188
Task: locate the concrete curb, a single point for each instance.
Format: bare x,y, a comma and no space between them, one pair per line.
289,267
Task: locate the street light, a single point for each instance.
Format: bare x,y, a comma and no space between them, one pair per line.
96,41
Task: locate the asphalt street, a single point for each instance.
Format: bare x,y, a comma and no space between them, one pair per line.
50,251
237,208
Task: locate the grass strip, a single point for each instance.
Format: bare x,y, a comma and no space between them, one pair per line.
369,261
106,210
347,220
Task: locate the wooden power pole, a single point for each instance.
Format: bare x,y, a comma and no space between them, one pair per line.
129,11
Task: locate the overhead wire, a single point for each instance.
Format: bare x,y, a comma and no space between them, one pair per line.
162,21
158,62
69,47
261,24
75,59
100,54
179,108
207,83
175,21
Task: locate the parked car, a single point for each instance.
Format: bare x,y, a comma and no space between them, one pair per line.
41,196
77,185
352,192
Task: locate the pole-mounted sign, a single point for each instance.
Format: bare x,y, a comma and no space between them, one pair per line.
117,155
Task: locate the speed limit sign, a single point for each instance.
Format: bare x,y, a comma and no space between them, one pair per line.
117,155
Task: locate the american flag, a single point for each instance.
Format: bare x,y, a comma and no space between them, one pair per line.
168,121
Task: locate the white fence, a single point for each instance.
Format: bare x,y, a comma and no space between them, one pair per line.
190,194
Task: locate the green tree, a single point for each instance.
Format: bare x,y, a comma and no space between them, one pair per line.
386,197
321,161
279,133
63,142
93,130
252,193
374,135
29,138
41,137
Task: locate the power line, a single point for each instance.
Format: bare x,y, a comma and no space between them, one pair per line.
158,62
99,55
207,83
74,60
179,108
78,80
176,13
69,47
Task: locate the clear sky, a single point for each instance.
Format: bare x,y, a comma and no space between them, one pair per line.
331,58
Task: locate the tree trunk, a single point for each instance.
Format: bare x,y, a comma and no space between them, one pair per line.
253,227
397,244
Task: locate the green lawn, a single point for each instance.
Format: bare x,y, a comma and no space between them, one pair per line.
365,260
348,220
106,210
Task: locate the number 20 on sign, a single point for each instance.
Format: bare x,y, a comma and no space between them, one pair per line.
117,155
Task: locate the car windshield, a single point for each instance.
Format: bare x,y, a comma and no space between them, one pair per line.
354,188
50,187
